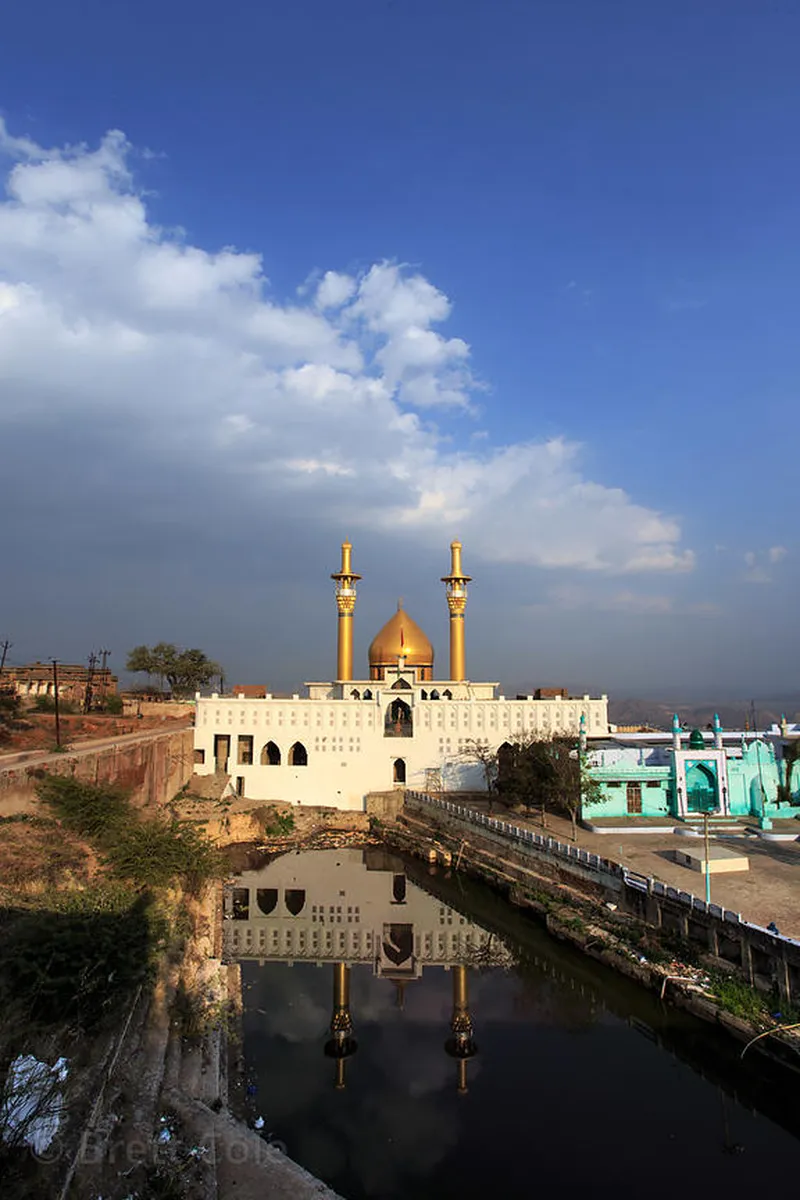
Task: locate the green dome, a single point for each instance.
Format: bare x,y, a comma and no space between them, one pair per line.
696,740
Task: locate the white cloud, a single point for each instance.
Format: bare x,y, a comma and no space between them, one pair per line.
103,314
758,562
776,554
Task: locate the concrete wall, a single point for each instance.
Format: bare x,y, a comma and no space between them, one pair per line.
153,768
766,960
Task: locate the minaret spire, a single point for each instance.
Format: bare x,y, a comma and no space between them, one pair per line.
346,581
341,1045
461,1045
456,588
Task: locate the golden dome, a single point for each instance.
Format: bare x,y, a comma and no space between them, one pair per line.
400,638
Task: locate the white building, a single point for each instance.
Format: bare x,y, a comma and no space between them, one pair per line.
400,726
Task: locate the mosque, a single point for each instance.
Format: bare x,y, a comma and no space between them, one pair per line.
399,726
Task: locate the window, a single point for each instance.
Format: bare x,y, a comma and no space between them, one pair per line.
367,694
240,785
245,748
200,756
355,694
298,755
399,770
270,755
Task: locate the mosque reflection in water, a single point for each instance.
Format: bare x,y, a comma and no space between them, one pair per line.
355,907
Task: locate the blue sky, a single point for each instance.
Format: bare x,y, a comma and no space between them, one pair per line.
559,323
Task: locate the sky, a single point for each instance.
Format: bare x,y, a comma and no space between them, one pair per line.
525,274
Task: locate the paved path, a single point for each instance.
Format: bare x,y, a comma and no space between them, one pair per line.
78,749
769,891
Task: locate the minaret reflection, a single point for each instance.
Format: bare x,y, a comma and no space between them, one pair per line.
341,1045
461,1045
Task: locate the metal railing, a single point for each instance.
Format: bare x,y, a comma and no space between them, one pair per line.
530,841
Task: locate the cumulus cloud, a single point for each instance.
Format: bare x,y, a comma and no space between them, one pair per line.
323,402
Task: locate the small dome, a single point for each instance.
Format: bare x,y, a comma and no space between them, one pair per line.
400,638
696,740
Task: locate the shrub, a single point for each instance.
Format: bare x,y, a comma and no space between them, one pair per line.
91,811
155,852
738,998
113,704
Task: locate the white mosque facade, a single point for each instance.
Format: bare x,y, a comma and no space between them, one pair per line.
400,727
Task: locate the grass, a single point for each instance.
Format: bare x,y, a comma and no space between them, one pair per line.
273,822
738,998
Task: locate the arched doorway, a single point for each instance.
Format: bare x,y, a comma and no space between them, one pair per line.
398,722
701,789
399,770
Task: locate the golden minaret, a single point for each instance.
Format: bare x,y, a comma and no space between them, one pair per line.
342,1045
346,582
456,587
461,1045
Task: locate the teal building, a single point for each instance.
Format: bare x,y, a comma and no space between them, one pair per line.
680,775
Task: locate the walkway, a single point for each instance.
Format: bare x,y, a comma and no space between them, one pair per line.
769,891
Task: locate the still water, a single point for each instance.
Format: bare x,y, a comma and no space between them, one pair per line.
411,1035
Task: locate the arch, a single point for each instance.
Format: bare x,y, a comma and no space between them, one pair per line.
447,694
399,721
355,694
298,755
271,755
367,694
398,889
701,788
435,695
400,685
266,899
295,900
399,770
423,695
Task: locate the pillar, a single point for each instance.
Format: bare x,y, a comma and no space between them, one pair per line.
345,581
456,588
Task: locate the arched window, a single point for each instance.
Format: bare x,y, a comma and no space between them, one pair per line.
355,694
298,755
295,900
423,695
367,694
267,898
398,722
400,685
447,694
434,694
270,755
399,770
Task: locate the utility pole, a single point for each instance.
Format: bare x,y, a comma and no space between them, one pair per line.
4,647
104,678
87,697
54,661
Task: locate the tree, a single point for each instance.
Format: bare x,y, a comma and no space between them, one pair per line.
551,772
477,750
184,670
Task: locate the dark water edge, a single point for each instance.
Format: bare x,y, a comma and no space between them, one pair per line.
582,1080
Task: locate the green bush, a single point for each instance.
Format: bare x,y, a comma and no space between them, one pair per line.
113,704
90,811
738,998
151,852
154,853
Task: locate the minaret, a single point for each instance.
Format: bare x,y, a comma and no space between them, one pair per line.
342,1045
717,732
676,732
345,602
582,735
456,587
461,1045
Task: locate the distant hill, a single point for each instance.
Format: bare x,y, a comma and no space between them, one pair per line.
698,715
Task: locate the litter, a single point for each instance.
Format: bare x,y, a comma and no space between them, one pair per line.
33,1102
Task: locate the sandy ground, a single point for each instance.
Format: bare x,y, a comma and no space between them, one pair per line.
768,891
